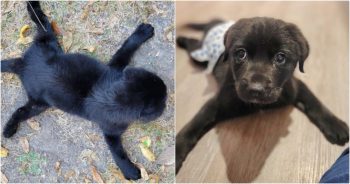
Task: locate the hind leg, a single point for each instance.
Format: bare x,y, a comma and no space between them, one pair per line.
122,57
192,46
9,65
189,44
129,170
45,35
30,109
39,18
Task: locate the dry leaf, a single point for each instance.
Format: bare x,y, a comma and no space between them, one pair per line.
88,155
58,112
96,175
24,143
58,167
69,174
67,41
153,178
146,141
147,153
10,5
4,152
167,157
84,14
33,124
144,173
55,28
23,30
169,36
3,178
86,10
94,137
86,180
115,174
162,168
158,11
169,33
15,53
8,76
22,38
98,31
89,48
47,13
25,40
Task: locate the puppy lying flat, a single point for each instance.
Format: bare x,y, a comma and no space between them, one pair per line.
111,95
255,72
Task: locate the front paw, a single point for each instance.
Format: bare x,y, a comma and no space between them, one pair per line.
144,31
336,131
132,173
10,130
179,158
182,149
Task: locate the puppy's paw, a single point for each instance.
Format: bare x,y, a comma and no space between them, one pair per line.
10,130
145,31
336,131
183,147
132,173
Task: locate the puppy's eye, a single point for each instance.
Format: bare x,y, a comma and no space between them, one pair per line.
241,54
280,58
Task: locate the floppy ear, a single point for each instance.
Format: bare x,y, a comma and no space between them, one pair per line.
303,45
224,56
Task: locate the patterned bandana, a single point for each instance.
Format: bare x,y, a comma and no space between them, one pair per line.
213,46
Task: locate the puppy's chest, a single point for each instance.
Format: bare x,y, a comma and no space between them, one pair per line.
213,43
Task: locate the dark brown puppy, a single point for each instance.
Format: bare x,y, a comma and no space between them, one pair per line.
254,73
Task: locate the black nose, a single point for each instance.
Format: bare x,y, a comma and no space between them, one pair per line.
256,89
257,85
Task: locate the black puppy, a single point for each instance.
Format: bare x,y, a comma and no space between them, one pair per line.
112,96
255,72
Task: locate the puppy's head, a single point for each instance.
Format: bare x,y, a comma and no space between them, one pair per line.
136,95
143,92
263,53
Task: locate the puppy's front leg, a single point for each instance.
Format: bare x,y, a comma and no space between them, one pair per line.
334,129
188,137
129,170
30,109
122,57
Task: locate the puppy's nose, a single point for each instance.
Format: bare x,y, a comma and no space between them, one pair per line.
256,89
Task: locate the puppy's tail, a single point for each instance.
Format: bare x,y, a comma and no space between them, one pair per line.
204,26
10,65
38,17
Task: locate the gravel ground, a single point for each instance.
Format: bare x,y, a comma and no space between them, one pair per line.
74,143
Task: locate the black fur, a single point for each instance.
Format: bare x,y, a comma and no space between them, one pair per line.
257,81
112,96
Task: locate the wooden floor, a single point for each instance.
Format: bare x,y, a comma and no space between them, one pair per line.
277,146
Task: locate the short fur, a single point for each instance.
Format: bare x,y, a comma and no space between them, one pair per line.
258,81
112,95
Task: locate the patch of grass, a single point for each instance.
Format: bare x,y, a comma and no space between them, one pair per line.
31,163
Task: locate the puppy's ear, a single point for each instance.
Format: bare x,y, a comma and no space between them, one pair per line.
303,45
224,56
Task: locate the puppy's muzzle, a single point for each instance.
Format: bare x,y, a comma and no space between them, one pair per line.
258,89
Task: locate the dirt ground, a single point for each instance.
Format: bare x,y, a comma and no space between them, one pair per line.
66,148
